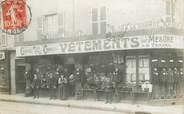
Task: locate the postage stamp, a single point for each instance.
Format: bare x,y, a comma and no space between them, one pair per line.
15,16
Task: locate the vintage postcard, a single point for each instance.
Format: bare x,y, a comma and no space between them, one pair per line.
91,56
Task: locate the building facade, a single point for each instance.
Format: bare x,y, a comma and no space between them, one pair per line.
7,62
136,54
102,34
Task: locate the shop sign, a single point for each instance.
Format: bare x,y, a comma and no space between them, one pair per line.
2,55
150,25
119,43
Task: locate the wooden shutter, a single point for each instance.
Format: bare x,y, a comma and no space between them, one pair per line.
61,24
103,20
94,18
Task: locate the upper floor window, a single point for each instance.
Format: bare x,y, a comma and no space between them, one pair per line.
99,20
51,26
168,7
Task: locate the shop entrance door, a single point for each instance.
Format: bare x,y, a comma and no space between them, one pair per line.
20,80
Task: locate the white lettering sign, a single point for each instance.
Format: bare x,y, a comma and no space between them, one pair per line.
119,43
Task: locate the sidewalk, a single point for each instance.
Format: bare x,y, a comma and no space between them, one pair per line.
97,105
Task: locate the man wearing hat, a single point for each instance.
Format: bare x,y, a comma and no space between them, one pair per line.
155,82
36,86
62,83
52,86
108,88
176,80
164,77
27,76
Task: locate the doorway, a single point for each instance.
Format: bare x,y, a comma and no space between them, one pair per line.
20,80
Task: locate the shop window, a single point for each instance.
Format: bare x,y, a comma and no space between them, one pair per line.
51,24
131,69
144,69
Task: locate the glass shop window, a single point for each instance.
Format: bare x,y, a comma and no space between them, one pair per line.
144,68
131,69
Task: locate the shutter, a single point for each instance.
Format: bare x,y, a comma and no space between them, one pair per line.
103,20
94,18
103,26
103,15
40,27
3,40
95,28
61,24
94,14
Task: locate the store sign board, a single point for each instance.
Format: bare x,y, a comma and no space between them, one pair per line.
119,43
2,55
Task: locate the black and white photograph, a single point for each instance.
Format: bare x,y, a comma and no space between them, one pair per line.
91,56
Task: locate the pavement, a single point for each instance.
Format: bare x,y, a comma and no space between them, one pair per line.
129,108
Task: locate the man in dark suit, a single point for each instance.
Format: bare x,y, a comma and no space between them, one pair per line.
52,86
155,82
36,86
117,76
62,82
170,83
27,76
176,81
108,88
78,84
164,78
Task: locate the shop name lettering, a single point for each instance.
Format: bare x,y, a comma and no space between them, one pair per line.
151,41
160,41
82,46
99,45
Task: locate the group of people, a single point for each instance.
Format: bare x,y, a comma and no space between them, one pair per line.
61,83
167,82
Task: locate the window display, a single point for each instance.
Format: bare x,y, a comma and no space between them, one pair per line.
144,70
131,69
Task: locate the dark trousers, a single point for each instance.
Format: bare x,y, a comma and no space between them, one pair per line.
52,93
28,88
36,92
71,90
62,92
116,94
171,90
108,96
156,91
97,94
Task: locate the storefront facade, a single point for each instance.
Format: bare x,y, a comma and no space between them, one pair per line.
135,56
4,71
